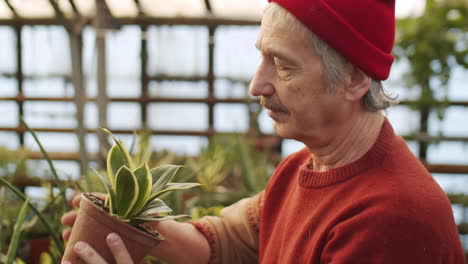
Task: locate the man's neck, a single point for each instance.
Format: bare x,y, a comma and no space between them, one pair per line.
350,144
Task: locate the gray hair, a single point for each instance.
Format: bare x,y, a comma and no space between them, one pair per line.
335,66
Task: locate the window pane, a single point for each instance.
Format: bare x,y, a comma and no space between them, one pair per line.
404,120
179,50
172,116
10,113
9,140
178,89
448,153
50,114
231,118
181,145
123,116
8,51
235,52
52,142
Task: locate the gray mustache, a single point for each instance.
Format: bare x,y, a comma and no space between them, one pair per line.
272,104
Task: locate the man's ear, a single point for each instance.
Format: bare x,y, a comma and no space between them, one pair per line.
357,84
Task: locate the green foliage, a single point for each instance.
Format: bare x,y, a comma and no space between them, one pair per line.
229,168
199,212
214,164
12,162
433,44
134,193
15,241
54,233
253,165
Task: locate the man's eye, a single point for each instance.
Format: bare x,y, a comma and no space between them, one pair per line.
280,65
281,68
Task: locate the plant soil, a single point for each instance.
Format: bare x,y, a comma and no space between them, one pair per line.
143,227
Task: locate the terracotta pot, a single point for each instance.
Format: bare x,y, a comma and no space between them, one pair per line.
92,226
37,247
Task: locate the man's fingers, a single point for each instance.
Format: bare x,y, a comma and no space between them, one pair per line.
77,199
88,254
69,218
118,249
66,233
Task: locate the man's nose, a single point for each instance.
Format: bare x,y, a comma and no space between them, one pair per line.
262,83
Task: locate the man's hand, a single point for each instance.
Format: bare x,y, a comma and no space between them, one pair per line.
69,218
86,252
179,237
88,255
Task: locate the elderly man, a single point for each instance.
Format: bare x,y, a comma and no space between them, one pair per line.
355,193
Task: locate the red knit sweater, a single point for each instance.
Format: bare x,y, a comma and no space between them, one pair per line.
383,208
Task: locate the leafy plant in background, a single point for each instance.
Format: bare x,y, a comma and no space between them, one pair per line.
253,165
15,240
49,215
433,45
229,168
12,162
211,168
133,192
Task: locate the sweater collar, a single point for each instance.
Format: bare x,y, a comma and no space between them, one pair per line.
313,179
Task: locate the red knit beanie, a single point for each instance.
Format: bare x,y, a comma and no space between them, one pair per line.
363,31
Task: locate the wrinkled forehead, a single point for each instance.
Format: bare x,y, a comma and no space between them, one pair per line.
274,18
277,22
280,30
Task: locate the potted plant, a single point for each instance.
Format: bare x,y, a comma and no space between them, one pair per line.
133,198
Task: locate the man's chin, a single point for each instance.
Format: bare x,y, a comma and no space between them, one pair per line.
282,131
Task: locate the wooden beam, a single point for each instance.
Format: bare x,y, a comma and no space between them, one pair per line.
144,79
19,78
208,7
141,99
458,198
74,8
463,228
139,8
76,49
201,133
189,21
60,16
447,168
72,156
160,77
210,76
12,9
101,27
433,168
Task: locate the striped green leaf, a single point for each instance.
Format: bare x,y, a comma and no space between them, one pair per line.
115,160
162,175
155,207
143,219
110,190
126,191
143,177
173,187
122,148
156,211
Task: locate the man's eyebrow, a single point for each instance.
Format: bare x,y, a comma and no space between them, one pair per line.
278,54
272,52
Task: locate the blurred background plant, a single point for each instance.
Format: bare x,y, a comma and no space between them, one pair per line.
432,44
